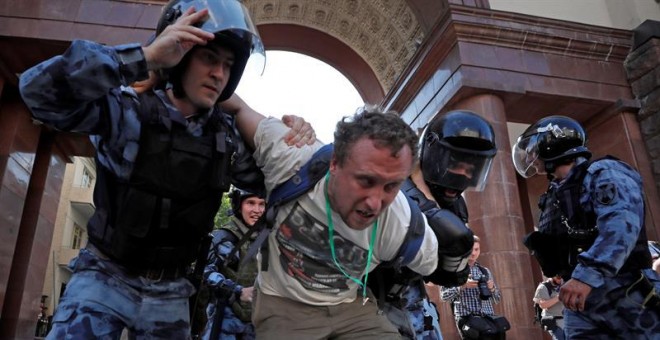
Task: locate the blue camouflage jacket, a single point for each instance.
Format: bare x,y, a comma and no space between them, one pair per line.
612,190
86,90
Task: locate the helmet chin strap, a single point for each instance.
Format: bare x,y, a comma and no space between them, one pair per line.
550,168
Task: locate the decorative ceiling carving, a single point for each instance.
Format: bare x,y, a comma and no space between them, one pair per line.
385,33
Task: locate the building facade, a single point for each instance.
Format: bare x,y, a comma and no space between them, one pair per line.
69,231
510,61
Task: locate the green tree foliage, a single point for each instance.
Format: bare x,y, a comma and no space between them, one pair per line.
224,213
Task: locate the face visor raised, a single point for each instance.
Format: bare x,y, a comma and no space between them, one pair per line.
525,155
230,21
228,16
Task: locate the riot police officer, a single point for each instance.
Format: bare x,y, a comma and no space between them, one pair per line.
232,285
164,158
456,153
591,232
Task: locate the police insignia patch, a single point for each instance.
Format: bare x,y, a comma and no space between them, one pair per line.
606,193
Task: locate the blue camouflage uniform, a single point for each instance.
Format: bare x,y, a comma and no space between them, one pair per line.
613,265
421,312
226,279
86,90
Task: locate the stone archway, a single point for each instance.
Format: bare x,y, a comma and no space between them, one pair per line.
369,42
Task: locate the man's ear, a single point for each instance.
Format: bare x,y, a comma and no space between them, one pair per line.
334,164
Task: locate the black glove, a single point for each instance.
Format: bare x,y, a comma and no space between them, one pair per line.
455,242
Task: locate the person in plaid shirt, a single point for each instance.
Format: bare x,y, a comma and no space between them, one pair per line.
468,300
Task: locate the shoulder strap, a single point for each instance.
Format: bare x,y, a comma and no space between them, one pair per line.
548,286
303,181
229,231
413,239
483,270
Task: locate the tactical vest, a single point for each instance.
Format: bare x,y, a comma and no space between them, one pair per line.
158,217
562,215
244,275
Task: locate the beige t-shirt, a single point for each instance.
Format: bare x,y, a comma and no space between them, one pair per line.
301,266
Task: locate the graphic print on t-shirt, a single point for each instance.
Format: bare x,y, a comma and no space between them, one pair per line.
305,253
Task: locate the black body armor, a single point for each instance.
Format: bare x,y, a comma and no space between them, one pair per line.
158,218
565,229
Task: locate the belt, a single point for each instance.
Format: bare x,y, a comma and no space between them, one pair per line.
158,274
647,289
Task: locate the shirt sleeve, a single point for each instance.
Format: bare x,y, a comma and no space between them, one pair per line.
496,294
541,293
277,160
70,92
614,194
426,260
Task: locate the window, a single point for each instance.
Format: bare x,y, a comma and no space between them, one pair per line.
87,178
78,234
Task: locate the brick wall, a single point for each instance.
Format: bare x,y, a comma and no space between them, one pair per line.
643,70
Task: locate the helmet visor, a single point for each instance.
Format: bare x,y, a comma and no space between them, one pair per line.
231,16
457,169
525,155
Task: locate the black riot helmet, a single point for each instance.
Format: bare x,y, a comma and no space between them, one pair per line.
551,141
236,197
230,21
456,152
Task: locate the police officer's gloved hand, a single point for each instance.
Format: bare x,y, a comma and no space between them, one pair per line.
445,278
455,241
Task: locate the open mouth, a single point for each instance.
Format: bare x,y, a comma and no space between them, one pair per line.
365,214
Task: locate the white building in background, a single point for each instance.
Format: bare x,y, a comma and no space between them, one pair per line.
70,234
621,14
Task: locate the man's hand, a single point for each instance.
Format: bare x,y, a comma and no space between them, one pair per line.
301,131
573,294
491,285
246,294
176,40
471,284
248,119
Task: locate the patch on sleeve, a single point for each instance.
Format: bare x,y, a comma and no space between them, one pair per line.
606,193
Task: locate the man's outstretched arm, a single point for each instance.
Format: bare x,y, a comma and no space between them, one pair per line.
247,120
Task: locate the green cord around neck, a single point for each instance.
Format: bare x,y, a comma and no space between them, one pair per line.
331,240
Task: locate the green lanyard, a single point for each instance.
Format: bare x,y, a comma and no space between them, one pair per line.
332,244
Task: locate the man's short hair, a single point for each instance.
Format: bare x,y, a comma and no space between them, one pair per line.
386,129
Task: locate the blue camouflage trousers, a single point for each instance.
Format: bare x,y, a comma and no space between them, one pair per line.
232,327
421,313
102,299
614,311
